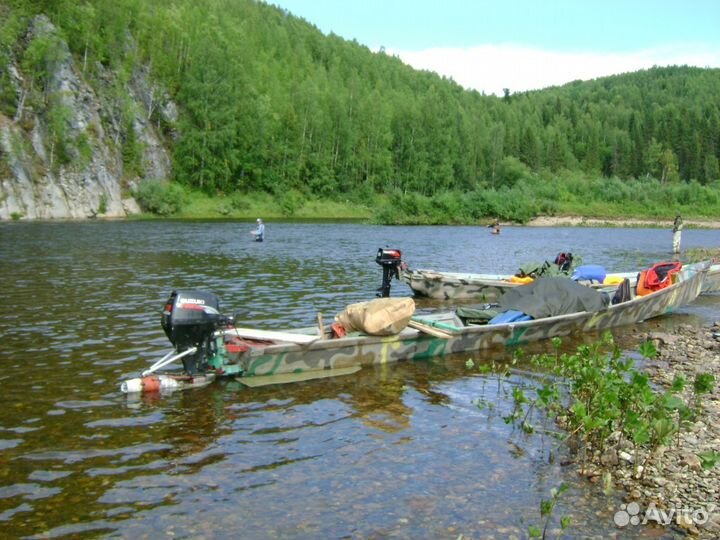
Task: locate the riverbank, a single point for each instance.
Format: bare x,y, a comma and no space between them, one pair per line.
580,221
677,487
455,208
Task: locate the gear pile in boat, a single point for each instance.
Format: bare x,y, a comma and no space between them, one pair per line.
563,263
544,297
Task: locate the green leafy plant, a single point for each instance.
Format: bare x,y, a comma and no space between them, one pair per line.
597,392
648,349
709,459
704,383
160,198
102,206
290,202
547,507
58,118
131,149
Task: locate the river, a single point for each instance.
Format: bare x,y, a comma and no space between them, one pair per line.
397,451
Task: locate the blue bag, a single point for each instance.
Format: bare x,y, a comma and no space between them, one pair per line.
590,272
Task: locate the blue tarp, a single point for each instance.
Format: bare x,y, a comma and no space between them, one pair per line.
511,315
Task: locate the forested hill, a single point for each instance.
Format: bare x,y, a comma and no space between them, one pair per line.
267,103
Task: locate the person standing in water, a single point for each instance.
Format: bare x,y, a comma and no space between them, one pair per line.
495,226
677,231
259,231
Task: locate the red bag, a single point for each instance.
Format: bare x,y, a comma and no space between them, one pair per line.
657,277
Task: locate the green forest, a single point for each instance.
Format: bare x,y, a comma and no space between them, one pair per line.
275,114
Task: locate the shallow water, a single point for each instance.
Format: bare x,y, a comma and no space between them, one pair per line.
399,450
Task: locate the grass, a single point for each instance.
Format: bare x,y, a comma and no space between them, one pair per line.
253,205
201,206
638,200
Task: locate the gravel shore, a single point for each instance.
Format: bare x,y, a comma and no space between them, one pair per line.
674,485
580,221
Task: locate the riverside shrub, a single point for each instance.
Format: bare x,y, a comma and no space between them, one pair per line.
163,199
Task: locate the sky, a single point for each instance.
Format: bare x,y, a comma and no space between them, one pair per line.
523,45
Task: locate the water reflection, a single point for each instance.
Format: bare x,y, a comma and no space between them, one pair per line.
397,450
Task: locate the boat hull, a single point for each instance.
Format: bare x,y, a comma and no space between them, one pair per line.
456,286
411,344
712,279
490,287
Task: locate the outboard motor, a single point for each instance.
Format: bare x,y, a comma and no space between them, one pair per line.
190,319
390,260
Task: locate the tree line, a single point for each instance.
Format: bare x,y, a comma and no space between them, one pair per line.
268,103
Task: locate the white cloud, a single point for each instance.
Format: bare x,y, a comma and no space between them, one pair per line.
491,68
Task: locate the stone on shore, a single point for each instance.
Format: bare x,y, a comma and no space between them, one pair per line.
677,476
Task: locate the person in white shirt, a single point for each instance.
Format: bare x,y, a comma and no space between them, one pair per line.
259,232
677,231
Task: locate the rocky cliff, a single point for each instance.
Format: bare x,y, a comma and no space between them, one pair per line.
61,152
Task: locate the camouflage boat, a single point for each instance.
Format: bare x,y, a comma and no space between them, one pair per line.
210,345
490,287
712,279
479,287
457,286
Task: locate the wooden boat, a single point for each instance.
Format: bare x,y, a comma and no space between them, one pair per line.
257,357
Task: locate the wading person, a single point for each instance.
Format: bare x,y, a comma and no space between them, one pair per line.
677,231
259,231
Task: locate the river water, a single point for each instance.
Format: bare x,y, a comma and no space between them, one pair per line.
396,451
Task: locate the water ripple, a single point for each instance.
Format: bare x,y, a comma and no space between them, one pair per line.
28,491
78,404
132,421
75,456
10,513
10,443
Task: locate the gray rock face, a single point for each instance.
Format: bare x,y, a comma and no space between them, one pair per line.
91,180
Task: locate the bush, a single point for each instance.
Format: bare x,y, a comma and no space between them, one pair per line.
238,201
160,198
291,202
406,209
446,207
511,171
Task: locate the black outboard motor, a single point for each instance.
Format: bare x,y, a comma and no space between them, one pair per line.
390,260
189,319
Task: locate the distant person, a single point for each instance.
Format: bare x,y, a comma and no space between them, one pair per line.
677,231
495,226
259,231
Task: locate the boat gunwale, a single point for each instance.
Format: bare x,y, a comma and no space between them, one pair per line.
413,334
